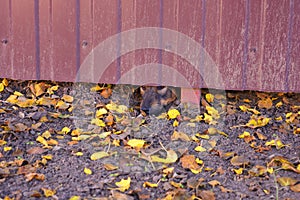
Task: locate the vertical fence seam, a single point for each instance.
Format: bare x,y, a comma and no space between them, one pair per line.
119,40
288,51
246,35
37,39
262,43
161,18
51,42
77,21
203,27
203,47
11,36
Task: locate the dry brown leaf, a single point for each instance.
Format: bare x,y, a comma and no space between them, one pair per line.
249,139
258,170
189,162
239,161
286,181
220,171
180,136
295,188
214,183
260,136
106,93
36,194
71,143
193,183
110,167
225,190
265,103
262,95
35,150
26,169
36,126
118,195
109,120
37,176
206,195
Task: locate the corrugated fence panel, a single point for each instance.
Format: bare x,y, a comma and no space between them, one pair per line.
5,38
169,57
86,38
190,24
47,66
129,22
232,39
148,14
106,23
275,44
253,70
213,29
63,39
23,41
254,43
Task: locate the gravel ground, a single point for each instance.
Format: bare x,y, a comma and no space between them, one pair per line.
265,164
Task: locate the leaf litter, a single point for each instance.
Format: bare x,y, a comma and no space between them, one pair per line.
80,141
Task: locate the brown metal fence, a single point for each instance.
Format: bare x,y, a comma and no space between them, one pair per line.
254,43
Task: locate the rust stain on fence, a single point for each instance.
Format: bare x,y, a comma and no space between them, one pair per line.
253,43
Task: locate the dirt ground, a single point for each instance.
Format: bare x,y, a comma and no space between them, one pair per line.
71,142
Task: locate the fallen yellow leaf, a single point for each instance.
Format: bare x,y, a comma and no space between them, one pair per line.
62,105
238,171
5,82
100,112
175,123
48,192
48,157
67,98
1,87
286,181
65,130
124,184
75,198
19,94
212,112
42,140
209,97
168,171
244,134
243,108
200,149
136,143
99,155
87,171
98,122
7,148
148,184
171,157
173,113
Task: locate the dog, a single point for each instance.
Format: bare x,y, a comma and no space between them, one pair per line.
153,100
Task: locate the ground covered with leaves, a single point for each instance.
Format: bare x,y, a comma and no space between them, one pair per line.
83,141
